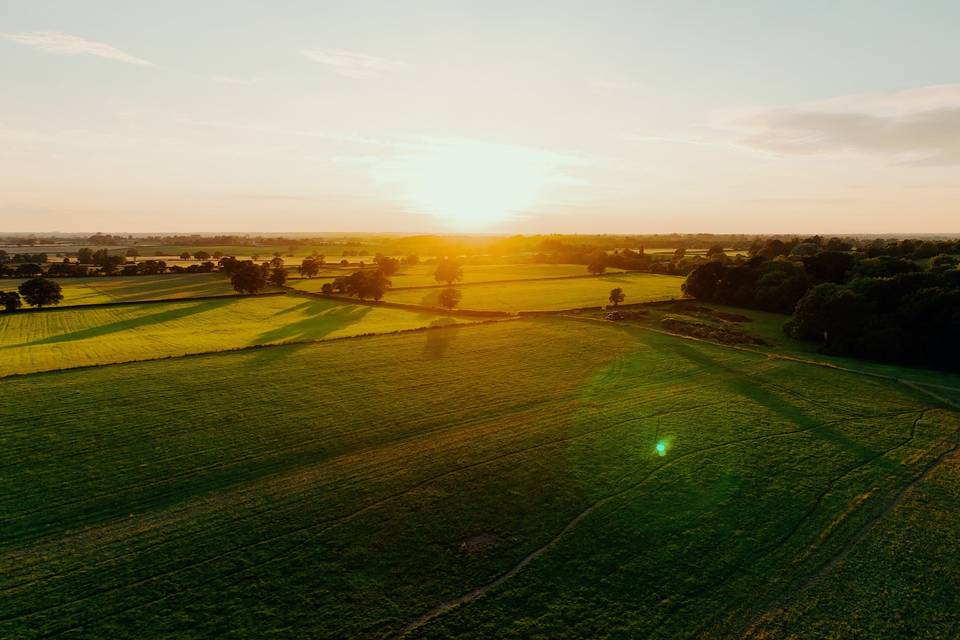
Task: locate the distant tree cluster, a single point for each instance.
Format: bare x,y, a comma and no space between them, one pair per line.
366,283
883,301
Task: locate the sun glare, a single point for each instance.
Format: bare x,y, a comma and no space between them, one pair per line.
472,186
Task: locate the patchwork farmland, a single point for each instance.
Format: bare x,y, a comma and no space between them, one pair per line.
229,467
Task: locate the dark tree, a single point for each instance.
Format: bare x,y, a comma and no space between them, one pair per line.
703,281
310,266
369,283
248,278
85,256
133,253
388,265
276,261
598,264
185,255
201,255
678,254
39,292
327,289
617,296
449,298
449,271
278,277
27,270
829,266
411,260
10,300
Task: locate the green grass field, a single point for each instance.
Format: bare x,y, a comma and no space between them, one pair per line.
68,338
136,288
421,275
359,488
545,295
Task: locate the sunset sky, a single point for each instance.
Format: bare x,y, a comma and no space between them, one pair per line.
517,117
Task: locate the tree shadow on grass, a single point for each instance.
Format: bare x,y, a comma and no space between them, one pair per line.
320,319
181,310
744,386
440,334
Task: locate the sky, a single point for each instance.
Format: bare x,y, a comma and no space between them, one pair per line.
493,117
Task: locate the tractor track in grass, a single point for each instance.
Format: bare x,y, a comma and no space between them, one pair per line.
808,515
321,528
482,590
777,603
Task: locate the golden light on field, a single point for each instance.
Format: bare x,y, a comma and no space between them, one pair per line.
472,186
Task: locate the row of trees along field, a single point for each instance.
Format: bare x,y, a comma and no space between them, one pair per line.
883,303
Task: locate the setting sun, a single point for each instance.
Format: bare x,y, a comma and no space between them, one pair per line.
471,186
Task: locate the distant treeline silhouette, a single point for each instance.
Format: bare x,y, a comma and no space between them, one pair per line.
895,301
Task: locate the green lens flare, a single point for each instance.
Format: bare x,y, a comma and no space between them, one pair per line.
662,448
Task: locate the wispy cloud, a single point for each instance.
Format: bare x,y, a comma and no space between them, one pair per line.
351,64
918,126
66,45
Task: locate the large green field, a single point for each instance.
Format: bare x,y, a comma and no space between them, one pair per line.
551,295
69,338
544,478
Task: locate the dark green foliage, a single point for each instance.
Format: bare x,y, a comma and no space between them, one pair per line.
310,266
247,277
387,265
10,300
772,285
883,267
40,292
616,296
366,283
597,264
449,271
278,277
829,266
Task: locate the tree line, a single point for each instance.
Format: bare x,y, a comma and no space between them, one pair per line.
891,302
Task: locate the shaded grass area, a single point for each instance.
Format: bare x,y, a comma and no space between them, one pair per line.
45,341
769,327
346,489
903,581
546,295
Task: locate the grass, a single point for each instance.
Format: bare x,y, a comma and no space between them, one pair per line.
548,295
421,275
137,288
769,327
906,555
345,489
66,338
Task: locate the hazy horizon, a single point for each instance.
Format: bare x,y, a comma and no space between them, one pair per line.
447,117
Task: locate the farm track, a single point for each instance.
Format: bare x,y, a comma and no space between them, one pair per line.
481,591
